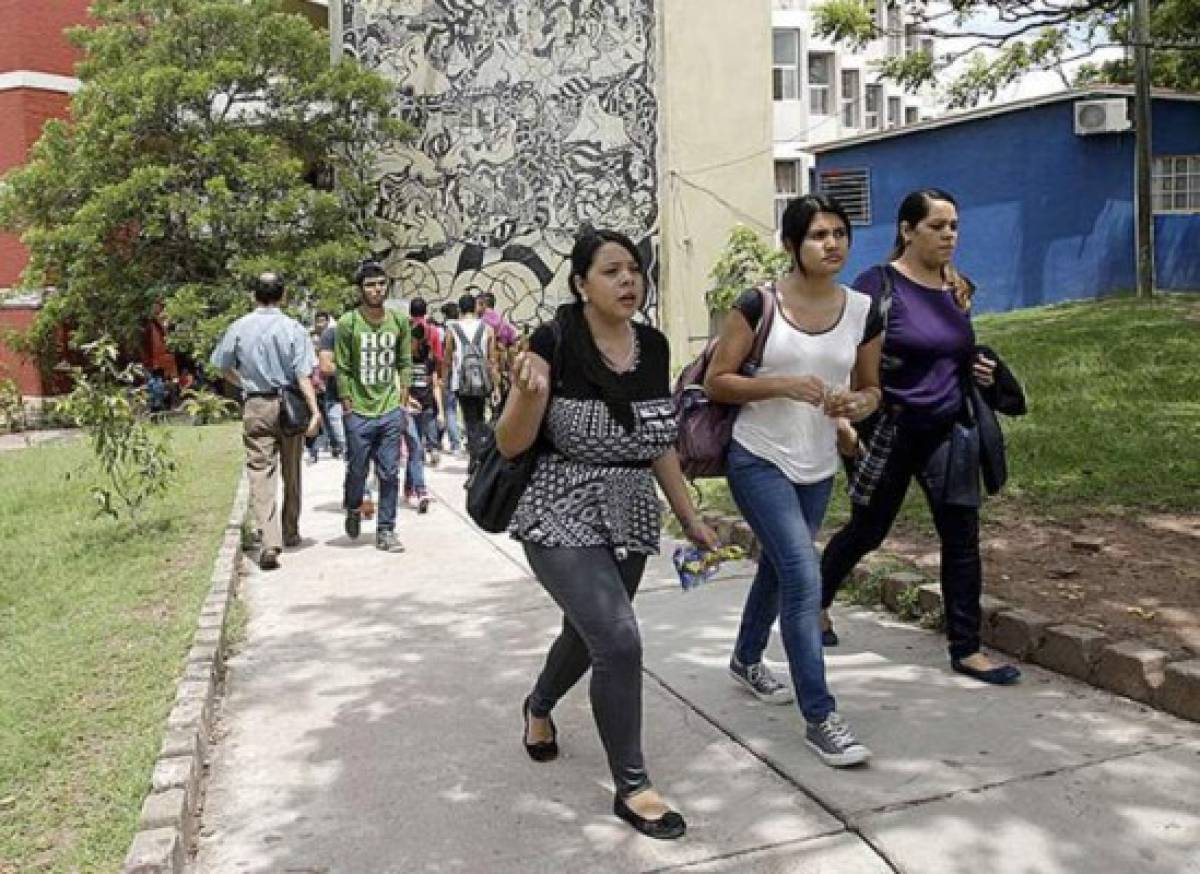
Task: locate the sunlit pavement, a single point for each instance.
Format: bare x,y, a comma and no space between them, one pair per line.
372,724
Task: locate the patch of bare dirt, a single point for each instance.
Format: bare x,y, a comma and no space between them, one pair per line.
1136,578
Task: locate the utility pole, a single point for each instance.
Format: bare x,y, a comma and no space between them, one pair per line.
1143,201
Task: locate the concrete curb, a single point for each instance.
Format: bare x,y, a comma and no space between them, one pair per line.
167,826
1129,667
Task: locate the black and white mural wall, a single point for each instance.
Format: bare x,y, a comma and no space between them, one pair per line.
534,118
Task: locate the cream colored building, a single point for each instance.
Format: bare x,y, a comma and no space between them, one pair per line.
537,117
822,91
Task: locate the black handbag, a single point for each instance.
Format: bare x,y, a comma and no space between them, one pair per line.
496,485
294,414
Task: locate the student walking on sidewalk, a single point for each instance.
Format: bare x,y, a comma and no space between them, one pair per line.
930,352
472,368
592,396
820,362
264,353
373,357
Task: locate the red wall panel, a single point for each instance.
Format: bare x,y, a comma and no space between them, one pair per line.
32,38
12,365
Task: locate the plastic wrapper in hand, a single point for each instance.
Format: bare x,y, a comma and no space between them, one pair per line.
697,566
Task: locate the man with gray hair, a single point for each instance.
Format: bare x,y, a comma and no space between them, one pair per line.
266,352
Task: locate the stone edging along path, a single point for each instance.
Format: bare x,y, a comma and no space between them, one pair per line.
167,826
1128,667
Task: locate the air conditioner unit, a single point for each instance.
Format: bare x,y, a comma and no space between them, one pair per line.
1107,116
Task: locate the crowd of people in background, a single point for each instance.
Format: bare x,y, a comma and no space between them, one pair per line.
882,377
390,389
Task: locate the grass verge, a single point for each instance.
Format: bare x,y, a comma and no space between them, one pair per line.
95,620
1114,407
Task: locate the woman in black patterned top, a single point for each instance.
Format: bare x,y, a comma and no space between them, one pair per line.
590,515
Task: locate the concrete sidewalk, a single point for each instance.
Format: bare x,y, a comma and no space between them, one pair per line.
372,724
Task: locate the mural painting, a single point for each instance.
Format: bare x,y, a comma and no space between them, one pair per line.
535,118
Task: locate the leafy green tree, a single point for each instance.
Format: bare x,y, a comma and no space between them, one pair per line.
1175,55
991,44
746,261
189,165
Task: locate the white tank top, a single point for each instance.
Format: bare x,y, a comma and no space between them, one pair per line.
796,436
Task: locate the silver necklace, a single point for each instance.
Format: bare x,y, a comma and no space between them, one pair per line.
629,360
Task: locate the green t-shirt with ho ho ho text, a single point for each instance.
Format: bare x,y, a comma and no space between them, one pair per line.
374,362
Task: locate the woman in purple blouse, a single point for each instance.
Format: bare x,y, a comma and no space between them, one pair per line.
928,350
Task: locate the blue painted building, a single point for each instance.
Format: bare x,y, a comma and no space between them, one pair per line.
1046,211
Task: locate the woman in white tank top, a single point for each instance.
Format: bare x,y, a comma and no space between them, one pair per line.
820,363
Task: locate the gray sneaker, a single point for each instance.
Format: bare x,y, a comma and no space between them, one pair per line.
834,742
388,541
761,682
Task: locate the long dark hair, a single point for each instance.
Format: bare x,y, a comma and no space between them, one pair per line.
799,216
914,209
614,390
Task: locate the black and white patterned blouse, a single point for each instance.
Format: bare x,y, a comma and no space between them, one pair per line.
592,485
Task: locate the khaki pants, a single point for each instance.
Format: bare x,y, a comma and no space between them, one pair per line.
268,451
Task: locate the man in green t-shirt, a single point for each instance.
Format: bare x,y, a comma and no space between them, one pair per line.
373,356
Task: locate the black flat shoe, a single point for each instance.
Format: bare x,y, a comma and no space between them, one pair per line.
829,637
1003,675
542,751
668,827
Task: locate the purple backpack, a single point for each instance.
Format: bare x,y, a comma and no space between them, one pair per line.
706,427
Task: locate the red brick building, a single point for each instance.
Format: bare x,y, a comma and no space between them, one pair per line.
37,79
37,67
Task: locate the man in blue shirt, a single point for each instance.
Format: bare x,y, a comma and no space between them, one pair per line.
263,353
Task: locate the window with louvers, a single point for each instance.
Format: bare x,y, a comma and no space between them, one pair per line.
850,188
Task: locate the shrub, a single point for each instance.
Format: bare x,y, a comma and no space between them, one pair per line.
107,402
206,407
12,407
746,261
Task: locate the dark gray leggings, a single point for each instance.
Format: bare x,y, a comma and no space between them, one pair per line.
595,592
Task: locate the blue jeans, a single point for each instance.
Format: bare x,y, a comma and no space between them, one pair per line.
333,427
427,427
785,517
450,405
378,440
414,468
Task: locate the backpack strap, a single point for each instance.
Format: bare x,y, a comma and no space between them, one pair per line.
767,295
887,286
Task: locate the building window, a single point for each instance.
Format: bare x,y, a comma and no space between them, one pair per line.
850,188
912,114
872,105
912,43
1176,183
786,74
927,46
788,184
850,98
820,84
895,32
893,110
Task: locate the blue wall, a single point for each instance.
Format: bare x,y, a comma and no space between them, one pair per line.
1046,215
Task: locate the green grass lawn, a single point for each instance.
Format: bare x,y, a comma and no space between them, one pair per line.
95,621
1114,400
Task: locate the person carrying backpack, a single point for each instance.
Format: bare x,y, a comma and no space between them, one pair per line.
471,369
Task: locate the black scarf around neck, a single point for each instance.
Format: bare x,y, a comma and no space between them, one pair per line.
617,390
